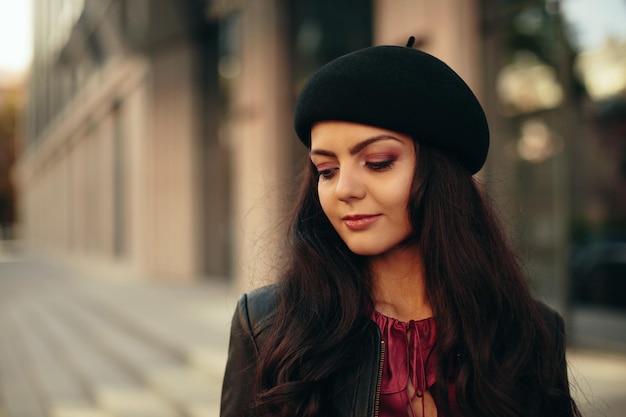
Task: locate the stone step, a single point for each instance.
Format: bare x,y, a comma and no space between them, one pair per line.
191,380
82,358
127,352
18,395
56,387
189,388
87,348
165,323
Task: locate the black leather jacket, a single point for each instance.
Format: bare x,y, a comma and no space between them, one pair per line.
254,315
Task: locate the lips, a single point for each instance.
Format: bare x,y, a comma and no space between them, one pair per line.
360,221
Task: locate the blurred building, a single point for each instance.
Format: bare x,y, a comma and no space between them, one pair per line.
604,73
118,135
599,240
11,92
158,133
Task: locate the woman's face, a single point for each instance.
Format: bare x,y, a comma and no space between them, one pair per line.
365,176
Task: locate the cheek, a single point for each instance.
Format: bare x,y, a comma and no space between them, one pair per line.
396,197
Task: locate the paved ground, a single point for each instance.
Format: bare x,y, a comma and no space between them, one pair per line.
87,346
72,346
598,382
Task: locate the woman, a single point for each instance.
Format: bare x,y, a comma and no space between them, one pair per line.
402,297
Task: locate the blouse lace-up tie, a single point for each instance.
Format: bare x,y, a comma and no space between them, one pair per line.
408,363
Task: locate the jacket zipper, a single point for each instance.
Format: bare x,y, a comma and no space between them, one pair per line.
380,378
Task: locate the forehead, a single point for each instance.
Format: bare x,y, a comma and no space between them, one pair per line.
338,134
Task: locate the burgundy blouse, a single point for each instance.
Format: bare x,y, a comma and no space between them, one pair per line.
408,348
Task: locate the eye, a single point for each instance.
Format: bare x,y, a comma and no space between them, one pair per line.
380,165
326,174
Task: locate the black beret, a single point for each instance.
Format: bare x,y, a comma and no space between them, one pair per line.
400,89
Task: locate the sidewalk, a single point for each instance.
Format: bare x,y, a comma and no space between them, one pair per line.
73,346
598,381
79,346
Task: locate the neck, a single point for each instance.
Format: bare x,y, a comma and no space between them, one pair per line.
399,290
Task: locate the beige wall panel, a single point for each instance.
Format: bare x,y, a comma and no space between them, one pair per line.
104,194
67,180
29,232
63,200
260,145
458,40
83,194
92,168
39,201
27,213
56,203
172,174
449,29
74,201
48,210
395,21
134,135
42,209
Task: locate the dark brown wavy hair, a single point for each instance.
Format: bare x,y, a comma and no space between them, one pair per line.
492,343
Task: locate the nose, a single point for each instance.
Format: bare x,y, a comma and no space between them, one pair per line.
349,185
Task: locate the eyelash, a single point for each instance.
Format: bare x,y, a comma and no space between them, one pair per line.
326,174
381,166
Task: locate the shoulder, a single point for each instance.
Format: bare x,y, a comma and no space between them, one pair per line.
554,327
550,317
259,307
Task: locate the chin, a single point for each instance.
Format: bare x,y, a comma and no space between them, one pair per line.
367,250
363,247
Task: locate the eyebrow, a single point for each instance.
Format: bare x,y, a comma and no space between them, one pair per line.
358,147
